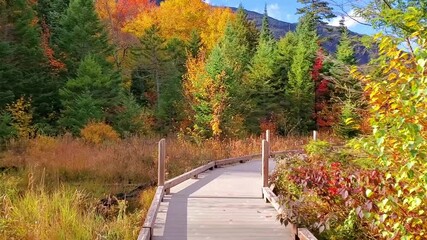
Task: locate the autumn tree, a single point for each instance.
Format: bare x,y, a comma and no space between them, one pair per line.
115,15
195,15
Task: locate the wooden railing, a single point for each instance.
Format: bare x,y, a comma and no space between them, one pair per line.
164,187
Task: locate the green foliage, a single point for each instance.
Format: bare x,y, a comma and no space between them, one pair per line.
259,86
246,30
349,121
300,87
90,96
80,34
319,8
24,70
318,148
345,51
127,121
7,130
265,33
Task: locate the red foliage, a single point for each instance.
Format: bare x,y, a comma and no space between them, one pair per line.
268,125
129,9
321,92
55,64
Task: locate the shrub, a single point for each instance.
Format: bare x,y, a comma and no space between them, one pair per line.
7,130
317,148
97,133
349,121
22,117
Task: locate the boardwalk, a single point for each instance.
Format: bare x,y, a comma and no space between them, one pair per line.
221,204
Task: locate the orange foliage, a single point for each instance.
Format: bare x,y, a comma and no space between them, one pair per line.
48,51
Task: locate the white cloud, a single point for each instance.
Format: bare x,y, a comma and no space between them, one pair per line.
208,1
274,11
349,21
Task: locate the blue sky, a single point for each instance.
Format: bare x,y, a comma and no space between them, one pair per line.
285,10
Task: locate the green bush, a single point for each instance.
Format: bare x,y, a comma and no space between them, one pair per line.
317,148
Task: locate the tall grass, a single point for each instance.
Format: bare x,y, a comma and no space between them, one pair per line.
63,213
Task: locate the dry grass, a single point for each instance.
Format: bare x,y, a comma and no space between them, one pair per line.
131,161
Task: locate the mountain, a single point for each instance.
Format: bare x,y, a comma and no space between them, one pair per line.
330,34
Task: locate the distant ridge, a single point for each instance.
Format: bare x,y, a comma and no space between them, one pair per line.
331,35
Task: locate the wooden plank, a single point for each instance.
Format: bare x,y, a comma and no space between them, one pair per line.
235,160
286,151
177,180
150,218
161,163
265,161
305,234
221,204
144,234
272,199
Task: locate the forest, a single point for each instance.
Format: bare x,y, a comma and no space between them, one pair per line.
87,87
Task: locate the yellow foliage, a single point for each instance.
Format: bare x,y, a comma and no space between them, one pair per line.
99,133
179,18
22,117
142,22
215,26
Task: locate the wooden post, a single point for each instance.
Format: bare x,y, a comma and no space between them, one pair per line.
265,158
314,135
267,135
161,163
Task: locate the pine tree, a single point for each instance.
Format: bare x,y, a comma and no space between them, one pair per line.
318,8
246,30
261,79
93,94
265,33
151,57
345,51
195,44
23,70
81,33
285,53
300,89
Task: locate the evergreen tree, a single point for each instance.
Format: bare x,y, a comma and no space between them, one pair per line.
345,51
261,79
23,70
93,94
300,89
285,54
194,45
246,30
151,56
265,33
318,8
51,12
81,33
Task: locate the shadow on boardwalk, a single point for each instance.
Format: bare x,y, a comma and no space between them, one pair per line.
221,204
